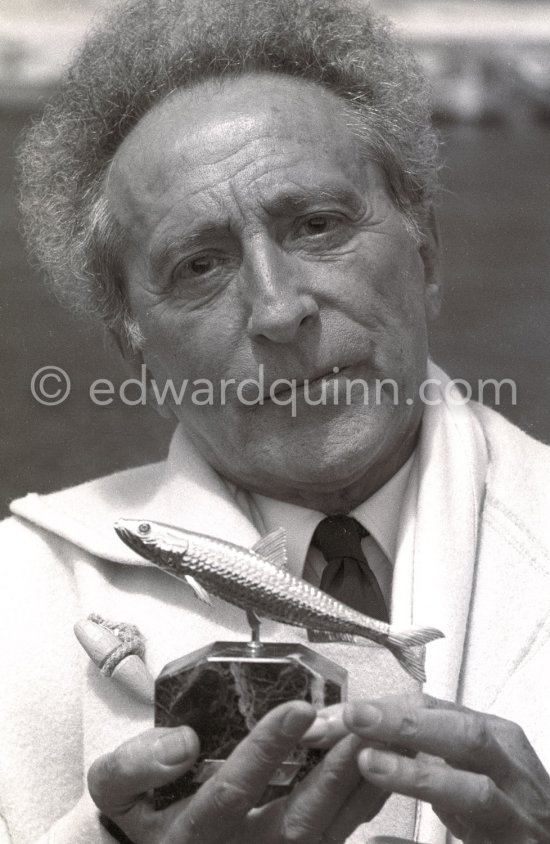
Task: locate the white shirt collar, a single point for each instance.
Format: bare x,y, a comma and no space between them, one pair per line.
379,514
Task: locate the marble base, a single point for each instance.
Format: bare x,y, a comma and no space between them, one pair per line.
223,690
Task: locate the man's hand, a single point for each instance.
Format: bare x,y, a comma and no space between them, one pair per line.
323,809
479,772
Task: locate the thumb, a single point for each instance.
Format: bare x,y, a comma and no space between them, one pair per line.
118,780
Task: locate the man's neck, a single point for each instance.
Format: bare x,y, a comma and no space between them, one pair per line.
342,499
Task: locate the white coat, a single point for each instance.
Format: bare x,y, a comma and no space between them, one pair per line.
61,561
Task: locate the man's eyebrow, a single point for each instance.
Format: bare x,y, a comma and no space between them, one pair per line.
301,200
171,246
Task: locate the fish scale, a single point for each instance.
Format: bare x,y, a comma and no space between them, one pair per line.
256,579
227,563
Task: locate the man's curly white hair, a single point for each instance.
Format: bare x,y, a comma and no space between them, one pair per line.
143,51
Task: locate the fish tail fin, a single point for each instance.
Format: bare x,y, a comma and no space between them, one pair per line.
411,660
413,636
403,645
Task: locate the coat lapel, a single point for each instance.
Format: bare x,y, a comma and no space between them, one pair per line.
183,491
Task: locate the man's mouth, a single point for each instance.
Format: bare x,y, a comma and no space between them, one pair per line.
283,388
253,392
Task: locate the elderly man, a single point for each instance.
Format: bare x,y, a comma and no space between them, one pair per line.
239,188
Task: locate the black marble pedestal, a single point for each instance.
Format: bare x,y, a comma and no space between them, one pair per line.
223,690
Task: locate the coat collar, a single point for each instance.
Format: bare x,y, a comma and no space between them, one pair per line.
183,490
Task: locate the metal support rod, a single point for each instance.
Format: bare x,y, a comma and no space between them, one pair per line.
255,623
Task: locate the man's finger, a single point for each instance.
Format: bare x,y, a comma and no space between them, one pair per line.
327,729
453,824
464,738
329,725
453,791
225,799
361,806
118,780
313,804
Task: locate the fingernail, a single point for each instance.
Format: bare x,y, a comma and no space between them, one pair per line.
359,714
376,762
317,732
172,748
233,798
296,721
325,731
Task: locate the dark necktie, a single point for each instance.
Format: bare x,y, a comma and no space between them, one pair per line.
347,575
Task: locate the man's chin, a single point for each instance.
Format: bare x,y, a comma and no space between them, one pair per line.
332,464
324,449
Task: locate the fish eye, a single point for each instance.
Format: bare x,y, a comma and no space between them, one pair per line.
144,527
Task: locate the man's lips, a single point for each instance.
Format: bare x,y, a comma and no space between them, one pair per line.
282,390
264,387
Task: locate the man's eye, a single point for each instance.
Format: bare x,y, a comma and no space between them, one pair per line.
201,265
318,224
323,224
196,267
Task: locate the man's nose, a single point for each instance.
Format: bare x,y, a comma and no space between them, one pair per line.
276,293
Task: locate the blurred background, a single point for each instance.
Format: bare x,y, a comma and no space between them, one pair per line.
489,63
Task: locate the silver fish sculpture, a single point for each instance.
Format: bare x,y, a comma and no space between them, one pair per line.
257,580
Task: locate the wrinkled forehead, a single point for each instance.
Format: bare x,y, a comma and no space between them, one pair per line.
218,121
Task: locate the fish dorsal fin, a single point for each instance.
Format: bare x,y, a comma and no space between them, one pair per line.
272,547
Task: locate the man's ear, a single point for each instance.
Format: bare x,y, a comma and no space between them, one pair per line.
430,254
130,354
134,362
